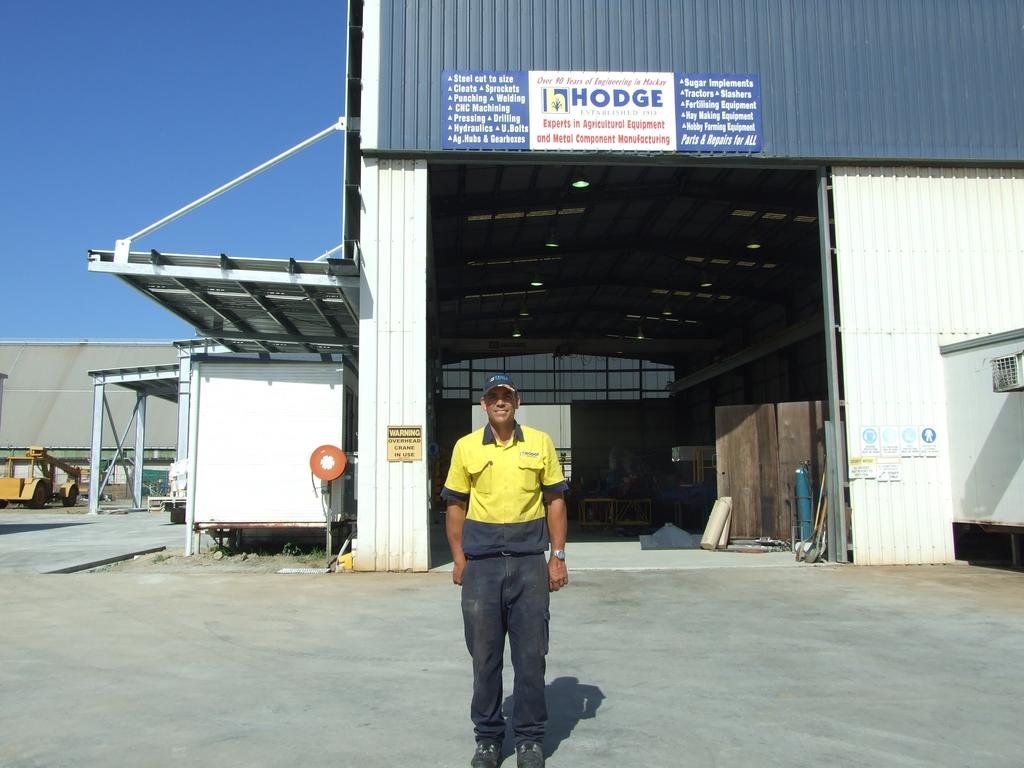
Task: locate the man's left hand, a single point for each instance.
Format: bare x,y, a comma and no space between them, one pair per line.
558,574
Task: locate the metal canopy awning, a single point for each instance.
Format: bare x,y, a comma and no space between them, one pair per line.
249,305
147,380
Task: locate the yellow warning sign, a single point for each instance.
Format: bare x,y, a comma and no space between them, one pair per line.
405,443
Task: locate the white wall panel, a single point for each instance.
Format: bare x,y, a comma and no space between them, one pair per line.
256,427
924,257
393,497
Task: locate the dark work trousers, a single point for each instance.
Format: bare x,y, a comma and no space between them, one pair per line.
507,595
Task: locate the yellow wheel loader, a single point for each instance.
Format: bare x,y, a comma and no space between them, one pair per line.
39,486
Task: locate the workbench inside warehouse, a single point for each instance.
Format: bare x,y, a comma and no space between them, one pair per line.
630,498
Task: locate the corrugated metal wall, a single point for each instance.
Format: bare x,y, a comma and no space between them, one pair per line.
924,257
871,79
48,397
393,497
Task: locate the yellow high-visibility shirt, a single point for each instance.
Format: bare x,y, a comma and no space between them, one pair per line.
504,485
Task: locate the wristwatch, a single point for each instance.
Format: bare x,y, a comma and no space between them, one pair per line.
559,553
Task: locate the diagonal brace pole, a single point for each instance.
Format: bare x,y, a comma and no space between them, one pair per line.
121,247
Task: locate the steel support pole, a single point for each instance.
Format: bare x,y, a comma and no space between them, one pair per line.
837,525
96,449
122,246
140,449
190,481
184,389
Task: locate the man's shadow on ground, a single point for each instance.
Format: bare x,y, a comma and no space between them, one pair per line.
569,701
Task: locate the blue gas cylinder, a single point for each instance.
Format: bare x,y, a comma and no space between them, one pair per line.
803,501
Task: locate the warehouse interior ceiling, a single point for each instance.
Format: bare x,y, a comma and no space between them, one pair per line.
653,262
249,305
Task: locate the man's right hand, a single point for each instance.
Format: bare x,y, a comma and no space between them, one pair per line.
457,572
455,518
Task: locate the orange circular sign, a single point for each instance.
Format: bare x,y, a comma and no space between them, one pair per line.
328,462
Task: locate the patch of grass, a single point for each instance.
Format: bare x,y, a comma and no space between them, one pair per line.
291,550
316,554
159,557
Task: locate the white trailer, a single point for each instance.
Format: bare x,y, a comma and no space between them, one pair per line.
986,430
253,425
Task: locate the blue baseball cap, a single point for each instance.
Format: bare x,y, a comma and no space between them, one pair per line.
499,380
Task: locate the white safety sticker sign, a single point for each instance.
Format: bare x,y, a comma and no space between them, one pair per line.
890,470
929,441
890,440
869,441
863,468
909,444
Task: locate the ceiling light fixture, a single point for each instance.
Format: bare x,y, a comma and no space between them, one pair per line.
551,241
516,333
524,312
536,282
579,180
705,281
753,246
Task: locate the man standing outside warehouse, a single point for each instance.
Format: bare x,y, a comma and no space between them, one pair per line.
500,478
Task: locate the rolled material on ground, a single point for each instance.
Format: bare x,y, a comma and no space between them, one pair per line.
723,540
716,534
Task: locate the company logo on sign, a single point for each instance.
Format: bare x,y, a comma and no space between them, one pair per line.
556,101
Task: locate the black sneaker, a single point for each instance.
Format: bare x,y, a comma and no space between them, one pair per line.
487,755
529,756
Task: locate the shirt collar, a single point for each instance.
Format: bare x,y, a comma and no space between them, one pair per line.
517,433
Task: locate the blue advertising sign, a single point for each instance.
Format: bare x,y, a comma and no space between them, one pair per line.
485,110
719,113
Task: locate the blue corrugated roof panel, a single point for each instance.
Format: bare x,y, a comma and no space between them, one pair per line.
859,79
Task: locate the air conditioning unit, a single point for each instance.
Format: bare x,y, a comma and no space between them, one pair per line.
1008,373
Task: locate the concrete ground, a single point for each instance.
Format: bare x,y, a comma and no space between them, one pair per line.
47,540
743,666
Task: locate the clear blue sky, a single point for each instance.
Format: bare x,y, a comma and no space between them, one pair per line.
118,112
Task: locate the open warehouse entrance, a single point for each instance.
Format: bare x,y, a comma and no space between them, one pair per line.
665,322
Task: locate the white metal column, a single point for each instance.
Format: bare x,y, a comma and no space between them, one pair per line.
2,377
140,449
184,389
96,449
193,440
393,530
